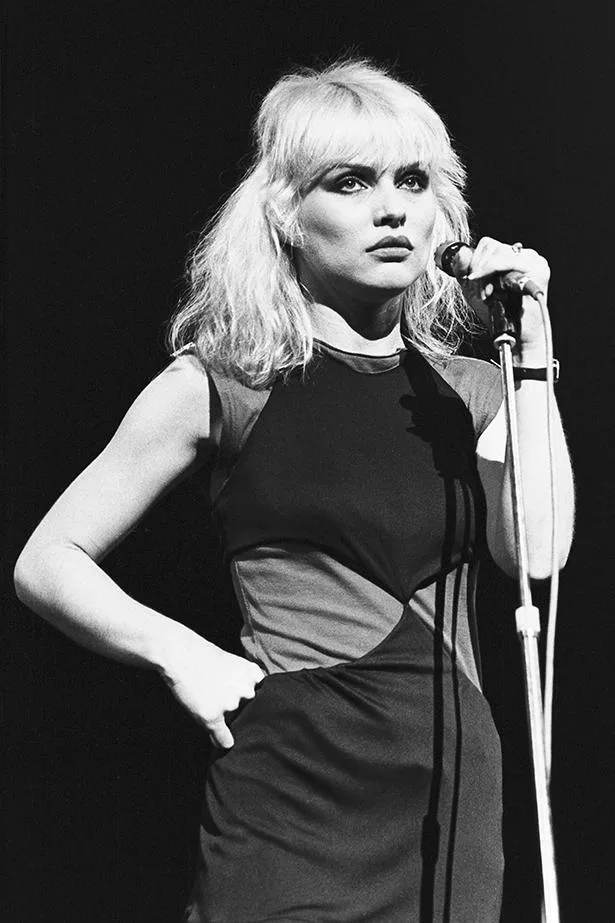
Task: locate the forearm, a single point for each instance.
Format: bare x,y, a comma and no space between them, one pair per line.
531,403
70,591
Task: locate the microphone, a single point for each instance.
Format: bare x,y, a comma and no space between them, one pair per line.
454,258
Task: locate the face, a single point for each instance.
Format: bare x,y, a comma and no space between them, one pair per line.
367,233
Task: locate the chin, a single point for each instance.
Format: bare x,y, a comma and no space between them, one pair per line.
392,287
395,277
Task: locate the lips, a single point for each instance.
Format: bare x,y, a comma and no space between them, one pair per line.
391,242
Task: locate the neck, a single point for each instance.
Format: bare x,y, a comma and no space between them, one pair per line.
380,336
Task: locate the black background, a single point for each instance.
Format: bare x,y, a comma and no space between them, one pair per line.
124,127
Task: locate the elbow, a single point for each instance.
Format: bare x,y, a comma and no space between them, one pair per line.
503,549
24,576
539,563
540,566
31,573
542,570
40,572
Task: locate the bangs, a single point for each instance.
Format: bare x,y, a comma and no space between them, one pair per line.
345,129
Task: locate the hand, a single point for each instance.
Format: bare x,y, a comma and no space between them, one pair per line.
491,256
208,681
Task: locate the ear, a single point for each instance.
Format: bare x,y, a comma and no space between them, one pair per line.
280,240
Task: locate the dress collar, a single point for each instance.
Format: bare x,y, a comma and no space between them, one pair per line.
361,362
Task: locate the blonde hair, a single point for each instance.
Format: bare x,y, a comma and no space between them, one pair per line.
245,311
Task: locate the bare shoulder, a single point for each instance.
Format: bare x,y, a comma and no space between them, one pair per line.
177,401
162,439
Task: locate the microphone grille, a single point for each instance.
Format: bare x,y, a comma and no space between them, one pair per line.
446,253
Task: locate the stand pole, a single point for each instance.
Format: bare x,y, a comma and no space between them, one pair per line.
527,623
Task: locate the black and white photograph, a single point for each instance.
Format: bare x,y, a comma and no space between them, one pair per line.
307,458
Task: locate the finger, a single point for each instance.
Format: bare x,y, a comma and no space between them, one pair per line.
252,683
220,735
496,257
259,675
483,259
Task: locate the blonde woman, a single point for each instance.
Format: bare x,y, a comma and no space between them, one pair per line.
357,473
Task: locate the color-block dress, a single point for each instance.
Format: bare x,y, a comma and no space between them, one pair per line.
364,784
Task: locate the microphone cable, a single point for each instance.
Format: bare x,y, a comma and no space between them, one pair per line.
554,576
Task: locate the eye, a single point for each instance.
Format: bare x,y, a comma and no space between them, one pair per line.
415,181
349,183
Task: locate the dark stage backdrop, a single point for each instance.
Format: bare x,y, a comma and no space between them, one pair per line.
124,127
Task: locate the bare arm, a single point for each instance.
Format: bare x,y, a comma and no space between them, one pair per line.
164,437
494,470
531,400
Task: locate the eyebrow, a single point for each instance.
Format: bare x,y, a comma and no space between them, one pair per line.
416,166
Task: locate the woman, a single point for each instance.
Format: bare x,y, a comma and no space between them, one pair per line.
356,468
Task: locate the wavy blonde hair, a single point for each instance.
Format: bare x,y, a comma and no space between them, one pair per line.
245,312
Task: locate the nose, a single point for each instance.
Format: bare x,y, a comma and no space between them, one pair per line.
390,207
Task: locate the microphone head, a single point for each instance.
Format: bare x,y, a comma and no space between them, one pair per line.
445,256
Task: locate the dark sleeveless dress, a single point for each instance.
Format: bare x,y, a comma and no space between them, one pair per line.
364,784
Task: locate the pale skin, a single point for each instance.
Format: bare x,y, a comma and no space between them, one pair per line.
167,435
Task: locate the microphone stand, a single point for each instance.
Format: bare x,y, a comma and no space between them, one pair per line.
526,615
